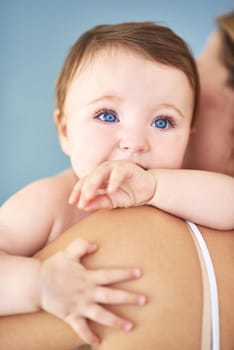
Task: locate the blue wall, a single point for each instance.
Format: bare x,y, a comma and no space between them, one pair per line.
35,37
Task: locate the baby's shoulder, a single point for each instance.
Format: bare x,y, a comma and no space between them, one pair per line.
46,192
60,184
35,212
56,186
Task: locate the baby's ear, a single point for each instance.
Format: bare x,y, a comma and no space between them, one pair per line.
61,125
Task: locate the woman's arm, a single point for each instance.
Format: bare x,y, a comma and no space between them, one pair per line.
162,246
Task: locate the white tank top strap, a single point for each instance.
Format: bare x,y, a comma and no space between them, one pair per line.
210,337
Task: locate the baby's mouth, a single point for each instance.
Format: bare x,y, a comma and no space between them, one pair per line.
136,163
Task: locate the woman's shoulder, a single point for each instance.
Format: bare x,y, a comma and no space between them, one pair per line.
162,246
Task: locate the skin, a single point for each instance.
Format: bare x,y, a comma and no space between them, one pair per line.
124,184
133,146
136,135
212,144
151,131
39,284
172,283
146,145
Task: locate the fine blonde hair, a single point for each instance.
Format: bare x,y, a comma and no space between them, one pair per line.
155,42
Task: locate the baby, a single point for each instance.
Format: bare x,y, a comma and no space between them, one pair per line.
126,99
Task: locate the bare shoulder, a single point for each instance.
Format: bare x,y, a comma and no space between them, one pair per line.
29,216
44,191
64,214
162,246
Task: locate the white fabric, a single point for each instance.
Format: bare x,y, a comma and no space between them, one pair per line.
211,286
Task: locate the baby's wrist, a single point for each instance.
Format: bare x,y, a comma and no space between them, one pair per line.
153,182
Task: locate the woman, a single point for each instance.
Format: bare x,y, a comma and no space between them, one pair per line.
172,279
212,144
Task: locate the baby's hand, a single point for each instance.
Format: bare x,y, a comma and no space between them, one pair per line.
74,293
114,184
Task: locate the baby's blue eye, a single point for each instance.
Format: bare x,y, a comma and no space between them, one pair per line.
107,117
161,123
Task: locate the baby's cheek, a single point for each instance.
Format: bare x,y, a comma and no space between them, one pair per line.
81,164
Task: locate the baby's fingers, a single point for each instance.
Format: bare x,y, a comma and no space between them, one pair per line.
83,330
93,185
76,191
107,318
117,177
99,202
111,276
80,247
104,180
113,296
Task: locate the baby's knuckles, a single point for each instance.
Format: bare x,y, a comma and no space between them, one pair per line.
56,270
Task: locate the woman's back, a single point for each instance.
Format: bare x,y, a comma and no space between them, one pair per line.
162,246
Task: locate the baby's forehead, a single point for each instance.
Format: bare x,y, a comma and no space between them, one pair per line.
102,63
94,55
115,71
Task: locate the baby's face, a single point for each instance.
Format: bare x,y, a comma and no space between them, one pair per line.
122,106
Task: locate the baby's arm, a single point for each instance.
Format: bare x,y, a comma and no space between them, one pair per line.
25,222
59,285
202,197
206,198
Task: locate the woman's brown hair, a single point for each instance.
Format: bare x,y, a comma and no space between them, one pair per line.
226,27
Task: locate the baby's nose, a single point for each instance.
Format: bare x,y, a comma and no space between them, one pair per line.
134,142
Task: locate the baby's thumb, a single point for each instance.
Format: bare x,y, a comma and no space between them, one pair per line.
80,247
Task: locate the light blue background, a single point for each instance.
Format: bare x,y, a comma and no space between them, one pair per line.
35,36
